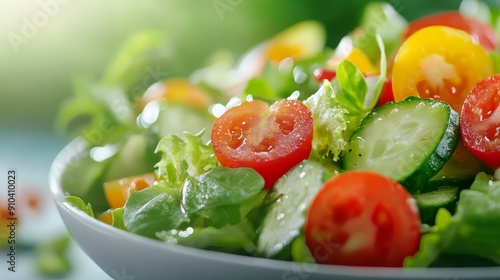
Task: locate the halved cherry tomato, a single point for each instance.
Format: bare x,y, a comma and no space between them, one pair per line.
118,191
481,32
480,121
439,62
362,218
270,140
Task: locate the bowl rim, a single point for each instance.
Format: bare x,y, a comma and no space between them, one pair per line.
78,145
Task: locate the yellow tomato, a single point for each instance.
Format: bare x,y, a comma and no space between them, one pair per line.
118,191
177,90
439,62
346,51
301,40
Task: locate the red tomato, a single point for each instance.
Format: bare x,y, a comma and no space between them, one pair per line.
362,218
386,95
480,121
481,32
322,74
271,140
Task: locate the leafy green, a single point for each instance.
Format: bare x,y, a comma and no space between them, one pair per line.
229,238
280,81
300,251
183,157
382,19
117,219
194,194
332,124
472,231
353,91
80,204
51,256
153,209
101,111
339,107
351,87
131,59
220,186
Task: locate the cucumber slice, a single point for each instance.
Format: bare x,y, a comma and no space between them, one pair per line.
409,141
285,218
429,203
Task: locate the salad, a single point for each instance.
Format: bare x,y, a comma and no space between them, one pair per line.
382,151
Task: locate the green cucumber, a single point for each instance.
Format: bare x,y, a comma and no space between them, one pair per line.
429,203
409,141
285,218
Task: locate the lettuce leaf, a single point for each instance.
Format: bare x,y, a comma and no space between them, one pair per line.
80,204
196,202
219,187
333,124
237,238
382,19
183,157
153,209
472,231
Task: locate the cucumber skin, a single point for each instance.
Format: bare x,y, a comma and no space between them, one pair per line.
428,213
436,160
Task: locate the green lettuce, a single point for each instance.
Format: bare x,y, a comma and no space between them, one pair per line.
339,107
153,209
381,19
229,238
183,157
196,201
471,233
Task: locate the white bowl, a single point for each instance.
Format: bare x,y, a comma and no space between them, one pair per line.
126,256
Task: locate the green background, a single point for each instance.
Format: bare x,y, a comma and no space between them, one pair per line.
81,36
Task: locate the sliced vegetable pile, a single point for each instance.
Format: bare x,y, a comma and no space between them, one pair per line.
388,143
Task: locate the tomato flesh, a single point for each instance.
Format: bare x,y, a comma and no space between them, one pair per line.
362,218
270,140
481,32
480,121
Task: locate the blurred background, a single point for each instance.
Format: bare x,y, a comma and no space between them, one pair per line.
45,43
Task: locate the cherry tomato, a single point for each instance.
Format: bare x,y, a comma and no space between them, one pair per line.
271,140
362,218
481,32
386,95
176,90
322,74
439,62
480,121
118,191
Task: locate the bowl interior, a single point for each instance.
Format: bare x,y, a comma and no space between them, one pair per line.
124,255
